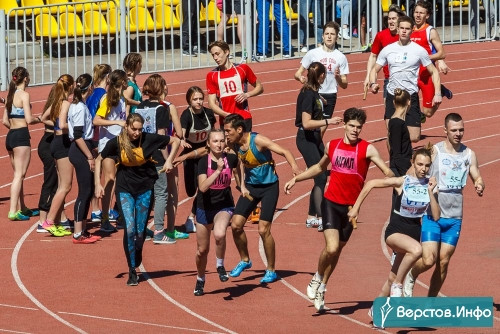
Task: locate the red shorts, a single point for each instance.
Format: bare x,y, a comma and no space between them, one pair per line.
426,85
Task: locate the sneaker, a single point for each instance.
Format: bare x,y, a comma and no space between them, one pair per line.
82,239
345,34
96,217
243,60
396,290
199,50
370,312
355,33
259,57
423,118
30,212
319,301
366,48
91,236
254,216
312,288
408,285
198,289
132,278
242,265
222,273
63,230
320,225
312,222
149,234
162,238
17,216
269,277
304,49
446,92
189,53
190,225
68,224
40,229
113,215
120,224
107,227
286,55
52,229
177,235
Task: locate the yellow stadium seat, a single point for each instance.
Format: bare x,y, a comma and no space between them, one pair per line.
212,13
113,18
102,6
63,8
290,14
142,3
72,24
171,3
46,26
95,22
178,13
140,20
7,5
164,17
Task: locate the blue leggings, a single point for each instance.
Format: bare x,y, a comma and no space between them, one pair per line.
135,210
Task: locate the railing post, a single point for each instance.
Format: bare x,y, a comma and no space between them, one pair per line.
123,30
3,51
248,29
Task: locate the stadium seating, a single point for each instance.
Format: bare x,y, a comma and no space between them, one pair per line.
46,26
164,17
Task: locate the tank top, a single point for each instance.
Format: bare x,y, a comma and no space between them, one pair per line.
16,112
451,170
137,94
223,181
198,136
259,166
414,198
349,169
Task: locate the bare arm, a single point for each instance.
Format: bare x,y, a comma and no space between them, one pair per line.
310,124
438,46
174,117
5,119
28,116
257,90
99,121
435,210
369,66
475,175
373,78
128,94
374,156
63,115
205,182
174,147
299,75
309,173
437,84
212,104
266,143
99,190
341,78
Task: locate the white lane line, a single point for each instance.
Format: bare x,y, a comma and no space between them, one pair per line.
19,307
137,322
11,331
17,278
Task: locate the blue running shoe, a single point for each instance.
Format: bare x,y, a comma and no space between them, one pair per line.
269,277
242,265
113,215
446,92
68,224
96,217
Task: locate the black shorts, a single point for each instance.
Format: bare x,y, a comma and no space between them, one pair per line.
228,8
17,137
334,216
266,194
413,116
407,226
59,147
331,100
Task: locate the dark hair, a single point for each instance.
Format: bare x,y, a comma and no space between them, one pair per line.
131,61
355,114
425,151
100,72
117,79
406,19
191,91
61,91
236,121
315,70
221,44
396,9
452,117
83,83
427,5
401,97
331,24
124,141
154,86
18,75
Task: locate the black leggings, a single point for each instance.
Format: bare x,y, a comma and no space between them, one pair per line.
191,179
311,147
85,179
49,186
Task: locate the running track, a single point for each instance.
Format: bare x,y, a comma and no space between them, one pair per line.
50,285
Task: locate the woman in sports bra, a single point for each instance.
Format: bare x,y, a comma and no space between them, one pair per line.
414,196
196,123
135,178
16,118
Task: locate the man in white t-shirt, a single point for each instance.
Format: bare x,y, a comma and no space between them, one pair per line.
336,65
404,58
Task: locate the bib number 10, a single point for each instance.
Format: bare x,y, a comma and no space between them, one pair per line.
230,86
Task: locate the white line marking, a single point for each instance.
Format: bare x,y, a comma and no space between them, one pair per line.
10,331
19,307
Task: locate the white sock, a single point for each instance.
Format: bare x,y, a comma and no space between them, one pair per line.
219,262
98,212
77,235
200,278
319,277
322,287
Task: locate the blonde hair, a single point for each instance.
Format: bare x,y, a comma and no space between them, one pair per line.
124,143
61,92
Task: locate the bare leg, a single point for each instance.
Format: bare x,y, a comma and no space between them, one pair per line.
414,133
330,254
239,236
221,222
20,160
203,242
268,241
172,198
441,270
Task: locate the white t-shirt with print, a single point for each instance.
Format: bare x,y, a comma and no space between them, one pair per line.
331,60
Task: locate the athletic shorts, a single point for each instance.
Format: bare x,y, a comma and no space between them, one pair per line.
334,216
266,194
386,82
331,101
17,137
426,86
413,116
206,217
407,226
444,230
59,147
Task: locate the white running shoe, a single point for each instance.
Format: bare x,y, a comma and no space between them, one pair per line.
312,288
319,301
345,34
393,257
396,290
320,225
312,222
408,285
190,225
304,49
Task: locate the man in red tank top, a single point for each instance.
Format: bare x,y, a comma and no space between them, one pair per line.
350,157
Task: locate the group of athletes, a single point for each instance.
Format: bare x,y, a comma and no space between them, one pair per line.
116,141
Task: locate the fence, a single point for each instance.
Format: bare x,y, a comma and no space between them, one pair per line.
58,36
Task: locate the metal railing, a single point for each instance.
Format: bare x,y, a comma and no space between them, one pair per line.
72,37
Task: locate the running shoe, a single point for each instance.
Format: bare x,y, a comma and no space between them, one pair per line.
190,225
242,265
312,222
312,288
222,273
396,290
113,215
163,238
91,236
132,278
17,216
198,289
30,212
254,216
82,239
269,277
408,285
52,229
63,230
304,49
177,235
320,225
149,234
319,301
423,118
68,224
446,92
40,229
96,217
107,227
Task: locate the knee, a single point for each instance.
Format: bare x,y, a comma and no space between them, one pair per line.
219,237
416,251
443,263
415,138
264,230
236,228
332,250
202,251
428,260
